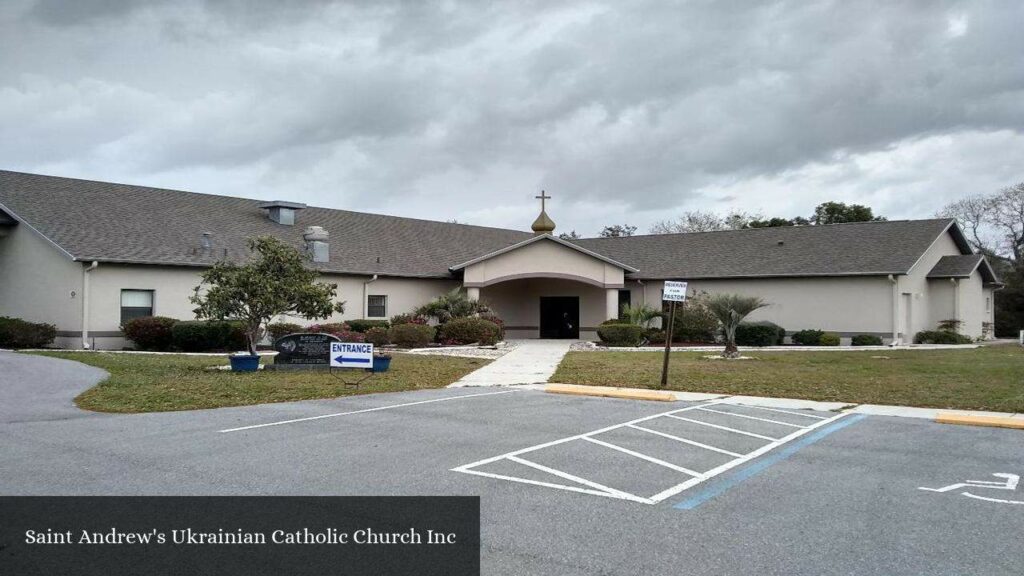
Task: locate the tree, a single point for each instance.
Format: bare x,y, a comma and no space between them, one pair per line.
770,223
994,224
617,230
275,282
639,314
730,310
700,221
571,235
839,213
451,305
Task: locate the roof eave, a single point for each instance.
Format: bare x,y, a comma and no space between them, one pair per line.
538,238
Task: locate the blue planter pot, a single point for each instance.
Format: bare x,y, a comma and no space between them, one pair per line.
381,363
244,363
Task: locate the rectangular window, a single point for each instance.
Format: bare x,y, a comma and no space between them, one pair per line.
377,306
136,304
625,299
988,303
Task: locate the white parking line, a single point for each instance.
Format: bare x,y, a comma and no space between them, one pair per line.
685,441
253,427
790,412
744,432
752,418
644,457
586,486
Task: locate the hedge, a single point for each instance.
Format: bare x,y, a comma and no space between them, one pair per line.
941,337
364,325
808,337
197,336
18,333
865,340
621,334
411,335
378,336
759,334
150,332
468,331
280,329
829,339
694,323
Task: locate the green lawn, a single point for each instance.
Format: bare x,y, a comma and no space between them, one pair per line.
988,378
159,383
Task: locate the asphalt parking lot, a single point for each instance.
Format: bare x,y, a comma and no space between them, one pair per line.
575,485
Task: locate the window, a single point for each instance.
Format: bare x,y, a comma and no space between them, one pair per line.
377,306
136,304
625,299
988,303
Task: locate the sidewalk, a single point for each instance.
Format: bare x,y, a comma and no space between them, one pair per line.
531,362
798,404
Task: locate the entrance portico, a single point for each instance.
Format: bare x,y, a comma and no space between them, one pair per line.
547,287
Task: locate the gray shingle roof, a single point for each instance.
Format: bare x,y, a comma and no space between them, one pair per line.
136,224
955,266
863,248
123,223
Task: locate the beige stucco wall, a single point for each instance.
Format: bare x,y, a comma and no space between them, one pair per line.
972,305
39,283
849,305
517,302
914,290
173,286
545,258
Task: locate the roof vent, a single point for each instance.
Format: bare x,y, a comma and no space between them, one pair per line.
781,243
316,243
281,211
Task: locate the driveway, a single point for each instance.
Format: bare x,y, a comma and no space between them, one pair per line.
570,485
34,388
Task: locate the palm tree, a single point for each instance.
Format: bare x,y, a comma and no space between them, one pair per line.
451,305
641,314
731,309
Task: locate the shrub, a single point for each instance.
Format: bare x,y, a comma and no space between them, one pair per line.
829,339
150,332
18,333
378,336
621,334
200,336
491,317
329,328
408,319
950,325
411,335
468,331
865,340
694,321
940,337
655,336
759,334
364,325
279,329
808,337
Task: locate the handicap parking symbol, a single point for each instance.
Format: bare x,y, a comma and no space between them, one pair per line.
1008,482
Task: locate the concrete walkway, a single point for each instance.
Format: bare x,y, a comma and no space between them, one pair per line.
531,362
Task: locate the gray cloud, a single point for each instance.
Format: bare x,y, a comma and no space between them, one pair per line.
467,109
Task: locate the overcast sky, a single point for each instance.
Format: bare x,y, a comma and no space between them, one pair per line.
623,111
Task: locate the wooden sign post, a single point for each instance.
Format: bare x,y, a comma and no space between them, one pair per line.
673,292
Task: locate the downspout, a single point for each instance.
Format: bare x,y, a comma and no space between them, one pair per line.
956,298
85,303
366,302
895,310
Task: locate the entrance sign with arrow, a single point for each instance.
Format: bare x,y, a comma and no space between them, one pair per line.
351,355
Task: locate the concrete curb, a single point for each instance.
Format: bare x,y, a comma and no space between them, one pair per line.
605,392
970,420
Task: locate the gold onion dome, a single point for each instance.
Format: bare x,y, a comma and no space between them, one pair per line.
543,224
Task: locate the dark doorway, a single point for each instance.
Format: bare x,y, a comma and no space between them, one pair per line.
559,317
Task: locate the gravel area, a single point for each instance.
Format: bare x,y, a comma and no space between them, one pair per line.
487,352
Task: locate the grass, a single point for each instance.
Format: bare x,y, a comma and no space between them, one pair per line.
987,378
161,383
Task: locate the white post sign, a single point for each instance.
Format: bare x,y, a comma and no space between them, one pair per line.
351,355
674,291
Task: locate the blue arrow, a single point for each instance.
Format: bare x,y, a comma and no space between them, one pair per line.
343,360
